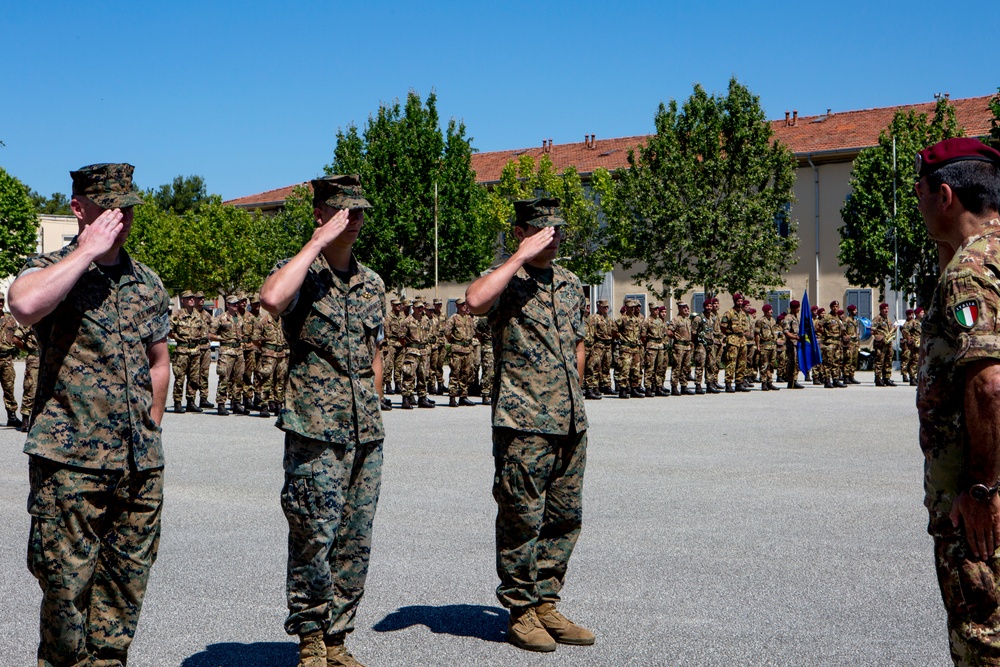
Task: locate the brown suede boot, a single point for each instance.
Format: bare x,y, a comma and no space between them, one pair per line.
337,654
524,630
312,650
561,628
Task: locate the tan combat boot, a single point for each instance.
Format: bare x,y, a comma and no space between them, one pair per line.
561,628
525,631
312,650
337,654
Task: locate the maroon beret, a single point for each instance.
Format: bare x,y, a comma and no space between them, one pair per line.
909,311
918,311
766,306
820,310
794,304
840,311
737,296
883,305
945,152
852,308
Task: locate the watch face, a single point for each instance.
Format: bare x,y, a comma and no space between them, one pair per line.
979,492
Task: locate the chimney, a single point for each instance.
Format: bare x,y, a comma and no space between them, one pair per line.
550,144
828,110
586,141
795,117
592,138
545,146
787,116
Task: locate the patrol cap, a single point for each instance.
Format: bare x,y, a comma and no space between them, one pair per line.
602,302
187,294
541,212
406,303
631,303
680,305
767,308
394,302
199,295
109,185
419,303
794,303
948,151
458,302
339,191
232,299
438,302
255,297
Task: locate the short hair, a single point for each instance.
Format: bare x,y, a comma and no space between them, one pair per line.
974,182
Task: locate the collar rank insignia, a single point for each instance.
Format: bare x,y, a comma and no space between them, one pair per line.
966,314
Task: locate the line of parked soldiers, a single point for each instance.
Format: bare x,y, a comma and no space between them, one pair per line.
414,353
748,348
253,356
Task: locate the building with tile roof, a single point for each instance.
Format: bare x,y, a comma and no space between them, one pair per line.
825,147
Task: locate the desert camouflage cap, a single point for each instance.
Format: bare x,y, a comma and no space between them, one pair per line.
255,297
394,302
631,303
603,302
418,303
406,303
187,294
541,212
199,295
232,299
109,185
339,191
438,302
460,301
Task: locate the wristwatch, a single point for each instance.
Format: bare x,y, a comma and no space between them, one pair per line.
983,493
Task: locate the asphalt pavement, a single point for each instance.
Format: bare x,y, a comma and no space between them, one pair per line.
749,529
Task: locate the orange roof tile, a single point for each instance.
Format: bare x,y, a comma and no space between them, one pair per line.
842,132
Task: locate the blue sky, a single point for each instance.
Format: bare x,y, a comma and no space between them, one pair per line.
250,94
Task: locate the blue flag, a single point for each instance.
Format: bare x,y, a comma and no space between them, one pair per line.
809,354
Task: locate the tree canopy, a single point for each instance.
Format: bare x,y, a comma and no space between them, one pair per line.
882,208
185,193
57,204
705,201
18,224
400,157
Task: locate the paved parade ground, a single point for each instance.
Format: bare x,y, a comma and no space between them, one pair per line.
745,529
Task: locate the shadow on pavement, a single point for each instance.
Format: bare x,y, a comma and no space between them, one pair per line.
460,620
260,654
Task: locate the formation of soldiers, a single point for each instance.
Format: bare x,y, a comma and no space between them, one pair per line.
253,356
632,356
414,354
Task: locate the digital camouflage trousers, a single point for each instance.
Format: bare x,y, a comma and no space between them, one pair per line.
538,488
94,537
329,499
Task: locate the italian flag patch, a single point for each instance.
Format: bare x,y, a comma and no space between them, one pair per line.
966,313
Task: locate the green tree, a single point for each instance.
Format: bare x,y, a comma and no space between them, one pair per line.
705,201
585,249
400,156
880,216
995,121
186,193
18,224
57,204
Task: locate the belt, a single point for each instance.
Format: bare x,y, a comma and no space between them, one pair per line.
233,345
8,353
653,340
188,345
624,344
202,341
417,346
271,346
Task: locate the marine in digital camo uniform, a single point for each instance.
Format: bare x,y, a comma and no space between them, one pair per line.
27,341
96,459
8,352
186,328
333,311
539,425
958,195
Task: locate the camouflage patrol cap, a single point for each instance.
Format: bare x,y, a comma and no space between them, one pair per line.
109,185
419,303
438,302
339,191
406,303
394,302
187,294
680,305
459,301
541,212
602,302
631,303
232,299
199,295
255,297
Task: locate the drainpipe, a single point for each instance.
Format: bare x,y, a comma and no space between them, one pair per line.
816,174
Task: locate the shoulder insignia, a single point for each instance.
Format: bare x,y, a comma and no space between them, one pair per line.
966,313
